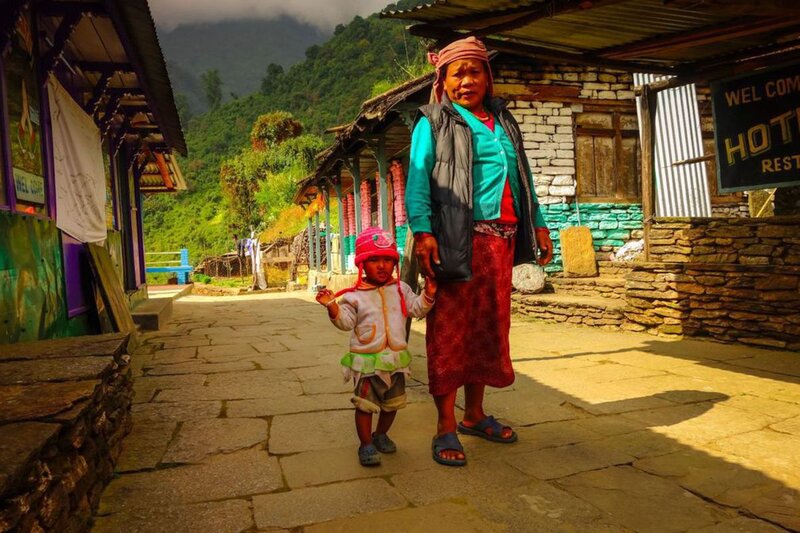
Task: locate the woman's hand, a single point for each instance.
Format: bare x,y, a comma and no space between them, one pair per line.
545,245
325,296
426,250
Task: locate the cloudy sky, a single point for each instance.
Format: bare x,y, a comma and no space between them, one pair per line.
324,14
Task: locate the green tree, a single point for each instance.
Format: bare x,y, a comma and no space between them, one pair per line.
272,129
212,88
274,75
184,111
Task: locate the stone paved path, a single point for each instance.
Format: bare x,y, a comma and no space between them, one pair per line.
242,423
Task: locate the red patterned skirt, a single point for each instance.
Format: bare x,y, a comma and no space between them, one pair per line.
467,329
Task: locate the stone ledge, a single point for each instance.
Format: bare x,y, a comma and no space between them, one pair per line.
63,415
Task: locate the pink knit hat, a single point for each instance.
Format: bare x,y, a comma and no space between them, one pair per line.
375,242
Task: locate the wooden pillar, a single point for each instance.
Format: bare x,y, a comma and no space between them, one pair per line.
342,259
311,261
383,170
355,170
649,105
317,242
328,241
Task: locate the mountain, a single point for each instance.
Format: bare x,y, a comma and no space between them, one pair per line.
240,50
324,90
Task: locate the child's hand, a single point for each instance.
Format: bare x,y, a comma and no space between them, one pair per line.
430,287
325,296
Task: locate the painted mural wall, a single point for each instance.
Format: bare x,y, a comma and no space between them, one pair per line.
32,296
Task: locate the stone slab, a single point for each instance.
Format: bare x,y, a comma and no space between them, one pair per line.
146,387
217,392
555,463
235,475
577,252
231,350
287,405
331,385
331,429
701,422
447,516
173,355
740,525
145,445
38,400
19,443
254,378
232,516
318,504
637,500
720,479
437,483
63,369
198,367
111,344
148,413
199,439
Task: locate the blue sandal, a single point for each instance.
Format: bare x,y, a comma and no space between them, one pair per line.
447,441
368,455
383,443
479,430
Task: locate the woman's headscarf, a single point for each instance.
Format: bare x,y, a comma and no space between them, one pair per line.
468,48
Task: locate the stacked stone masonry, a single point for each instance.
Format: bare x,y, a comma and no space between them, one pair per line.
64,410
574,311
731,279
746,241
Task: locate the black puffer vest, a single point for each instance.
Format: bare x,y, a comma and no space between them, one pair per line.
451,189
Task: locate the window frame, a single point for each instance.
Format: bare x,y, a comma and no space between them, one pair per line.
616,133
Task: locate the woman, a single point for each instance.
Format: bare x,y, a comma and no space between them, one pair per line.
474,214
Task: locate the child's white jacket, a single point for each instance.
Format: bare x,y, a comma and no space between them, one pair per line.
375,317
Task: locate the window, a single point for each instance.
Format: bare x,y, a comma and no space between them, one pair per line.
24,119
607,157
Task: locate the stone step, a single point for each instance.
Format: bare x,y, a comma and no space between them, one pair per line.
614,268
572,309
603,286
152,313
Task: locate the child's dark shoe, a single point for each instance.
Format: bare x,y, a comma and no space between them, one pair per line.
383,443
368,455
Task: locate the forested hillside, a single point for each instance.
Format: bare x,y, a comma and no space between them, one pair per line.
240,50
324,90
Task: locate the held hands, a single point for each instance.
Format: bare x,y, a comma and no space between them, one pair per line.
325,297
426,250
430,288
545,246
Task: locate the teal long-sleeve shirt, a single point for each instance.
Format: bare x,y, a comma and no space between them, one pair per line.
494,161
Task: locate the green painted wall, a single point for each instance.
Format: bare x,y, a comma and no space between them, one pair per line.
611,224
32,294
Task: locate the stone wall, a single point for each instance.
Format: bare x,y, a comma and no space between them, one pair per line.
543,99
612,226
64,410
752,304
752,241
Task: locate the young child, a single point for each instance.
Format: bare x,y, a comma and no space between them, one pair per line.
375,310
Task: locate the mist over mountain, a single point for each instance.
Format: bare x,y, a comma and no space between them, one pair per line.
240,50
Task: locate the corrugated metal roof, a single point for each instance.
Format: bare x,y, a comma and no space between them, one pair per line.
606,28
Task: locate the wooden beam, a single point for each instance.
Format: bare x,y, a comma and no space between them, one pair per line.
649,105
62,9
699,37
104,66
60,39
555,56
99,91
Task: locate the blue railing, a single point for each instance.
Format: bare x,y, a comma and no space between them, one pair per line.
180,267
